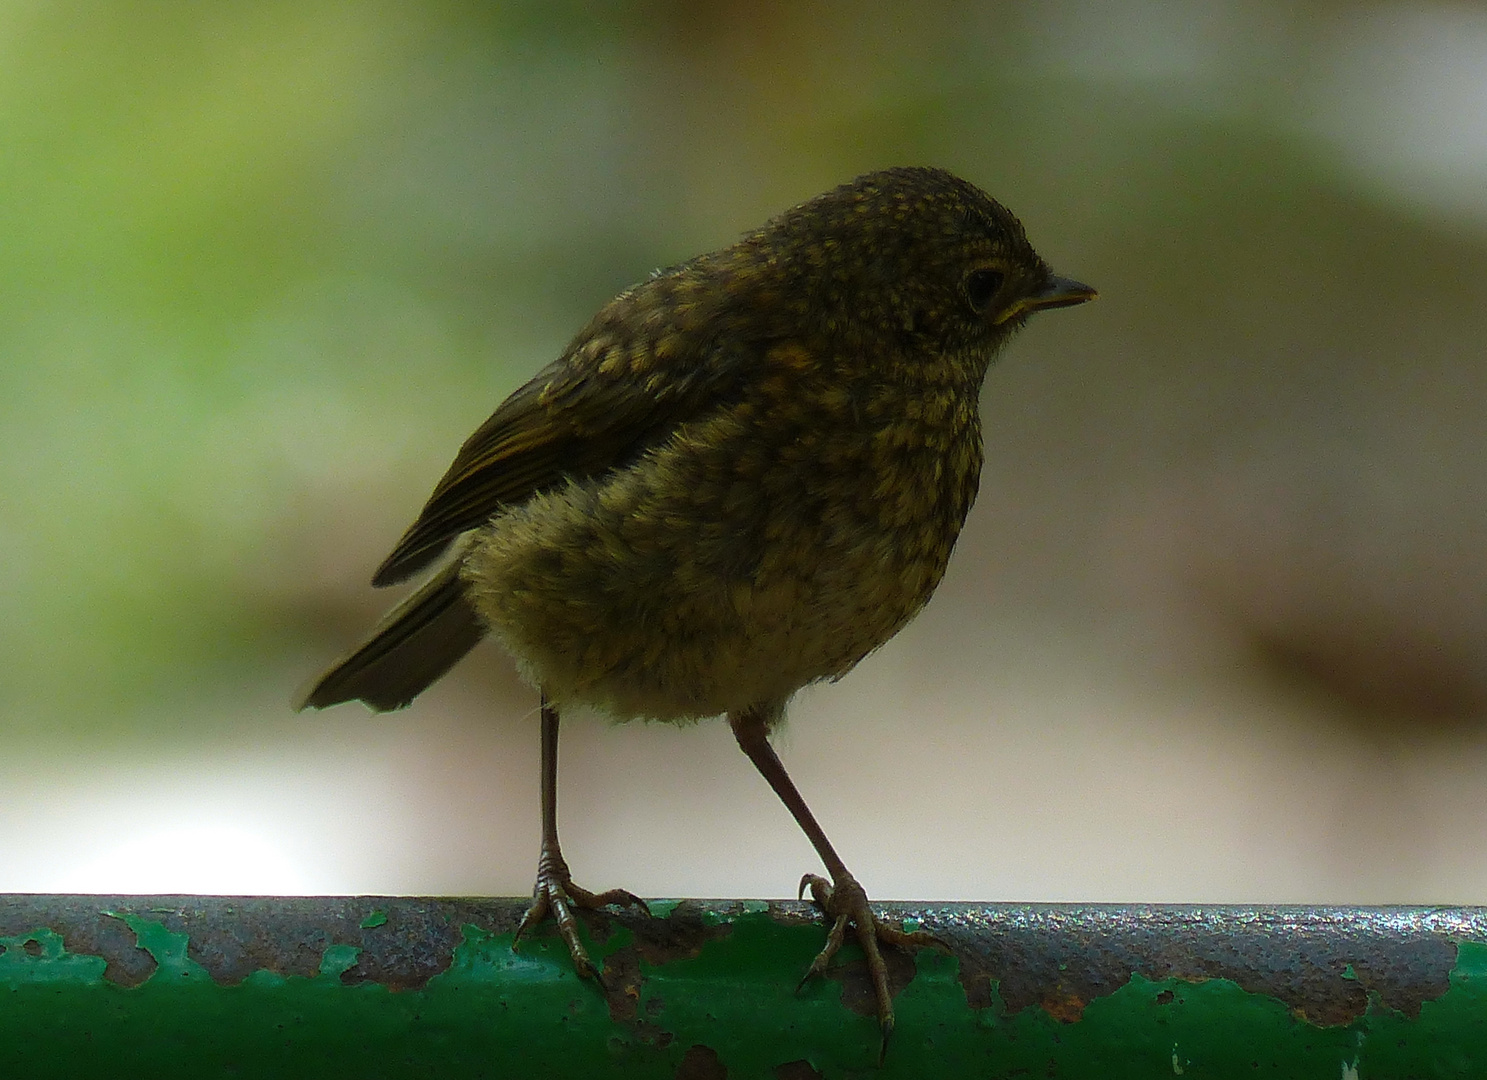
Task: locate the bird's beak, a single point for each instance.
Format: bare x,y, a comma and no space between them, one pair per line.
1056,292
1061,292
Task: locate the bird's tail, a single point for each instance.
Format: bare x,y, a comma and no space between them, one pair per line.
418,641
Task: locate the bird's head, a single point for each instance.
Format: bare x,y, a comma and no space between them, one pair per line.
916,252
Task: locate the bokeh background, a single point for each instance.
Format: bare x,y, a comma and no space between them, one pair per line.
1216,628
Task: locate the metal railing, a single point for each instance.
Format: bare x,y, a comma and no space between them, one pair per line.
195,986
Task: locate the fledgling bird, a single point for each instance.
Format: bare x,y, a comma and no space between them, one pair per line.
742,476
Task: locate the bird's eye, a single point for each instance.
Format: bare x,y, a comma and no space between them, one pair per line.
981,286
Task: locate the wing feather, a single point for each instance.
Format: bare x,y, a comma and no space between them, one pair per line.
611,396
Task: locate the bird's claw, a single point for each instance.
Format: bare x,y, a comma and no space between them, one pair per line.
555,896
845,901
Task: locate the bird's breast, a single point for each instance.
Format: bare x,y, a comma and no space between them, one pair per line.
771,543
849,490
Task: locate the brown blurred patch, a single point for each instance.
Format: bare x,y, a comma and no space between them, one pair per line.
1379,672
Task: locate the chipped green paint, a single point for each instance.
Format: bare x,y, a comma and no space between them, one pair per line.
337,960
497,1012
374,920
1448,1039
662,909
168,950
40,957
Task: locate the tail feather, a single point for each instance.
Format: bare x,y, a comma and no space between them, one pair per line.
416,643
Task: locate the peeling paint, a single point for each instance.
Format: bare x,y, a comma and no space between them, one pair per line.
168,950
190,986
40,957
337,960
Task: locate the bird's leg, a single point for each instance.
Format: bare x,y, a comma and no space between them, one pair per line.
555,894
842,899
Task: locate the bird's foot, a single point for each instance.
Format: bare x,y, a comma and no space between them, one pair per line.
555,896
843,901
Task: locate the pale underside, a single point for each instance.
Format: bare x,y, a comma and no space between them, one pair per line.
711,576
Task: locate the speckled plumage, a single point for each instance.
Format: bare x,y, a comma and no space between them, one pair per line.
747,471
806,510
769,544
745,474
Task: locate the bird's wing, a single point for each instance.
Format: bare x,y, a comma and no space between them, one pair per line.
611,396
416,643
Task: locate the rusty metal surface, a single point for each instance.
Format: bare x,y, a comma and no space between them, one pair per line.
1323,962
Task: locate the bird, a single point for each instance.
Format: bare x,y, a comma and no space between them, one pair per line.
742,476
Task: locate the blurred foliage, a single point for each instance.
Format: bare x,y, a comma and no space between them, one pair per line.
266,264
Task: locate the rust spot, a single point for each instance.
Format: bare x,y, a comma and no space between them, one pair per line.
656,941
1065,1008
1035,953
857,985
680,935
622,985
701,1063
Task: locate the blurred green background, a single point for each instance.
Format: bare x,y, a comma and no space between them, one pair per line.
1216,629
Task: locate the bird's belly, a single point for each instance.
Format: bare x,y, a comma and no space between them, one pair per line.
687,585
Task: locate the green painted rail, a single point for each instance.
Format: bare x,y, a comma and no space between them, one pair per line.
187,986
